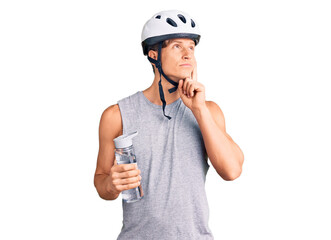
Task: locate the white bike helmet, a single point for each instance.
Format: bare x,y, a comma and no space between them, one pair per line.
163,26
167,25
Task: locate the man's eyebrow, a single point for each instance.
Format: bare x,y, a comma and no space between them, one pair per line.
178,41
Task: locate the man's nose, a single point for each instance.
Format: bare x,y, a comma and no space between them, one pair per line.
187,54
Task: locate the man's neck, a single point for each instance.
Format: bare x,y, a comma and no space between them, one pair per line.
153,95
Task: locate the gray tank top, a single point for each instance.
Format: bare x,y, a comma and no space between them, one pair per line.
173,162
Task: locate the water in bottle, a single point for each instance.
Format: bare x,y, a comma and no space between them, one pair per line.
124,153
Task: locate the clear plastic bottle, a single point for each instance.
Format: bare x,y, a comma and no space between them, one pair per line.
124,154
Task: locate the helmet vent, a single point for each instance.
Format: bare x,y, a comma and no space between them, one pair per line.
171,22
192,23
182,18
158,17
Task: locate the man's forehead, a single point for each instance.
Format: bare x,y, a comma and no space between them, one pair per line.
182,40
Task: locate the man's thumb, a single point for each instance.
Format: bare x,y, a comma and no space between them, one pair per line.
180,84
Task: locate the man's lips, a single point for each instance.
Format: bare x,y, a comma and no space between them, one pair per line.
186,65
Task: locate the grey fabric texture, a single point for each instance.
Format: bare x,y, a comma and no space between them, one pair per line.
173,162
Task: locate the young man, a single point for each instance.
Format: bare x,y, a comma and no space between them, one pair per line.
171,151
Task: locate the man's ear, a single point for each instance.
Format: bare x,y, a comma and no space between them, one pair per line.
152,54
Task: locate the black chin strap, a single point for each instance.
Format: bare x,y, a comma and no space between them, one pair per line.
159,67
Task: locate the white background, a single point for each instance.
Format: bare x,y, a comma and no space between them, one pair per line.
265,63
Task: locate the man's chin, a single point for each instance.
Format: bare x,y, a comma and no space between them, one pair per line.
180,76
183,76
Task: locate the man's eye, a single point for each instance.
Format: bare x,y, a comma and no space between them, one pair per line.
176,46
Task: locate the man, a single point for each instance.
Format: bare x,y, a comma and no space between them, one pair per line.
171,151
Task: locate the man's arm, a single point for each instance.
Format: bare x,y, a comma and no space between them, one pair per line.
224,154
110,128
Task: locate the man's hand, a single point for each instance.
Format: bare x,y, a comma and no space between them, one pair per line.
192,92
123,177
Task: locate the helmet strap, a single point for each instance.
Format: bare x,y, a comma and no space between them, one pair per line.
158,65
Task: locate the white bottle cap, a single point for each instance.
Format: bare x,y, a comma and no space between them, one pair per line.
125,140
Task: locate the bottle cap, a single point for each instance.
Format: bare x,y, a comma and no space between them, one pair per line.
125,140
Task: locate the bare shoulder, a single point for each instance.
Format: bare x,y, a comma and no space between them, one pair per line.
216,113
111,121
110,128
214,109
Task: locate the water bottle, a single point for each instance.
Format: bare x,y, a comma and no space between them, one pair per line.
124,154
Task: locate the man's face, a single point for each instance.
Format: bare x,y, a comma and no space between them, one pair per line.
178,58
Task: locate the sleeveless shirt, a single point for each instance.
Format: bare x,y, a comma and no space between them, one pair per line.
173,162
